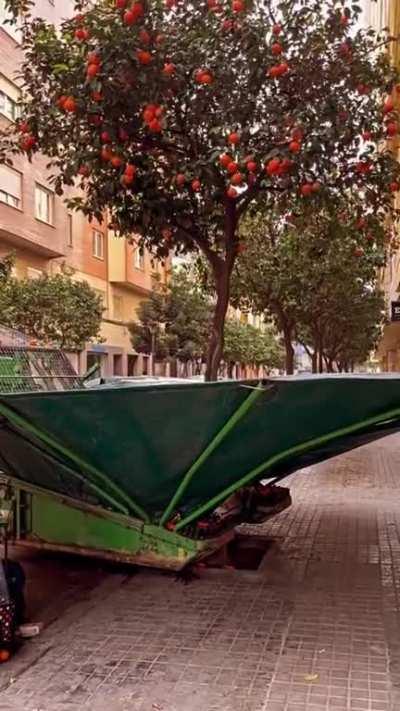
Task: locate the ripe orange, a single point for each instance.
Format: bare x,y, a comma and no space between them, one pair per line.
234,138
237,179
294,147
225,160
69,104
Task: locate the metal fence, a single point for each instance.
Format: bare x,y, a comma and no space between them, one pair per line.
28,369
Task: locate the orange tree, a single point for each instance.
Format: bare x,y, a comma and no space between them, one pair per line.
173,117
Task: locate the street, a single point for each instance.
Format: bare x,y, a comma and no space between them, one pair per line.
315,629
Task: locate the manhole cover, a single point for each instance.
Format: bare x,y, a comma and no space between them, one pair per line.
242,553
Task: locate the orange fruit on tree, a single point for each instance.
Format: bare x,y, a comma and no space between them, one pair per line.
225,160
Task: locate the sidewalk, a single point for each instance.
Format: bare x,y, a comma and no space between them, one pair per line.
317,631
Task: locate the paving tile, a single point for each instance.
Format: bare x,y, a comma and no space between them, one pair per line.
319,630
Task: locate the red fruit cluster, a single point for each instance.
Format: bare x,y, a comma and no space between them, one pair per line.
363,167
277,167
93,65
238,6
144,37
295,146
225,159
196,185
278,70
367,135
276,49
392,129
81,34
129,175
68,103
237,178
28,142
151,116
363,89
394,186
169,69
134,14
23,127
106,153
229,25
180,180
143,56
84,170
308,188
234,138
204,76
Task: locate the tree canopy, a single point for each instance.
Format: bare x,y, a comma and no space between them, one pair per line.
175,118
174,321
57,310
318,280
245,344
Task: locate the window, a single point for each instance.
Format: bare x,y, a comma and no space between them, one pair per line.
138,258
44,204
98,244
8,107
70,237
10,186
118,308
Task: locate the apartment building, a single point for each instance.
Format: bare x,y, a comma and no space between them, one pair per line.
37,227
380,14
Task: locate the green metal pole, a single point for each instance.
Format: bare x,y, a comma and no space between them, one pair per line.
27,426
223,432
298,449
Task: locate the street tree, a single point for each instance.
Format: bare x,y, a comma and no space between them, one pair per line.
175,118
353,334
248,345
57,310
316,277
174,321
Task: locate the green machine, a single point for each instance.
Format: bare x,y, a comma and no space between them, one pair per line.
161,473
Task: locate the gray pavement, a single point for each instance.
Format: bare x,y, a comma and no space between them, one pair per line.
316,629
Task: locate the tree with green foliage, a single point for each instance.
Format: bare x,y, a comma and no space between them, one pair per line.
174,321
316,277
247,345
176,118
56,310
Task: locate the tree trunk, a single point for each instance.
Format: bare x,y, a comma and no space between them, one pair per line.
314,362
216,342
230,370
222,270
289,353
320,361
